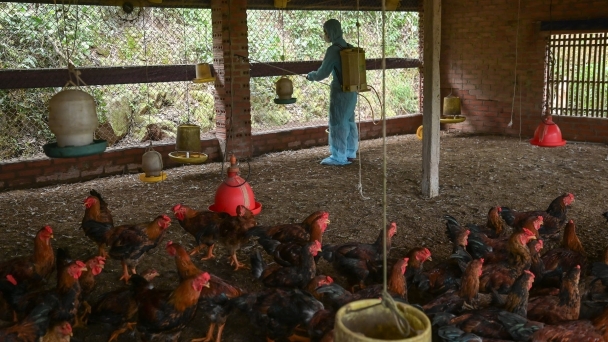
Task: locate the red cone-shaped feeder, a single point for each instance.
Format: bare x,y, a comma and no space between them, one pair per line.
234,191
547,134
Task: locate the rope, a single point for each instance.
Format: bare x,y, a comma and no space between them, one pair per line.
72,71
360,185
515,71
185,63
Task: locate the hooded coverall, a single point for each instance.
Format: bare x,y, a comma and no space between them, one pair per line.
343,134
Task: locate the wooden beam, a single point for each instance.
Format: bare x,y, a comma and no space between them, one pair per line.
431,98
44,78
309,5
599,24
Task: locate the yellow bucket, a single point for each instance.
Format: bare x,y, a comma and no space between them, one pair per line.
188,138
369,321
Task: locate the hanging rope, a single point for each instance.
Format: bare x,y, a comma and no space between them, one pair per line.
146,71
360,185
515,71
73,74
185,65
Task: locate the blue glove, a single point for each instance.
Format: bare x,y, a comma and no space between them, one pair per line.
309,76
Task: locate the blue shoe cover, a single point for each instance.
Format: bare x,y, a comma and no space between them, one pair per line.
333,162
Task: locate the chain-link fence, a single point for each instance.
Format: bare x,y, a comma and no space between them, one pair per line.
48,36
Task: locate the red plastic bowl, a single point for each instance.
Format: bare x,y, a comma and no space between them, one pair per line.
548,134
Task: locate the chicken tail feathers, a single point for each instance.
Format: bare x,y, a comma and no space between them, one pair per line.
450,333
518,327
453,228
327,252
259,231
257,264
477,247
508,215
269,245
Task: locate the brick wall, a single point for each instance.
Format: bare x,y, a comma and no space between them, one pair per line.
478,62
45,171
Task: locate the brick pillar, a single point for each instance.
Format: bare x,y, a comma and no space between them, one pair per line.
232,106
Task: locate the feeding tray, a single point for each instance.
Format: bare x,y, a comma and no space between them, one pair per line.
203,80
152,179
257,208
185,157
452,119
285,101
52,150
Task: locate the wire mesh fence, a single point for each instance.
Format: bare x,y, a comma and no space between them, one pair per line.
38,36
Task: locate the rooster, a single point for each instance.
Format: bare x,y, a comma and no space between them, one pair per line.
289,253
234,232
59,332
554,218
569,254
163,314
129,243
33,326
97,220
203,225
566,307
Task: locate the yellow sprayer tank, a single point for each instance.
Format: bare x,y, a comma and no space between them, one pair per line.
353,70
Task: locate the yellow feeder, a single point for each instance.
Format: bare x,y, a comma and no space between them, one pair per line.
188,145
353,70
152,165
451,105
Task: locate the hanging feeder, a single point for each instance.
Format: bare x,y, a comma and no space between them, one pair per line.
152,165
188,145
547,134
368,320
73,120
203,73
284,90
234,191
451,106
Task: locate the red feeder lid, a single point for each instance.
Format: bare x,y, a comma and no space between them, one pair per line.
547,134
234,191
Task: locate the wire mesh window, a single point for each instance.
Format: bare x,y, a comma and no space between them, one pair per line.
298,36
577,75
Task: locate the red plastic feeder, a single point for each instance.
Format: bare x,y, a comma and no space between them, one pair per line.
234,191
547,134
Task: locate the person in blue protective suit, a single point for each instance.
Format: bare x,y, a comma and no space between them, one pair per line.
343,134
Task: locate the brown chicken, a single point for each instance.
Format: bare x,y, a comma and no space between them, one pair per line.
59,332
118,308
129,243
234,232
569,254
33,326
495,225
94,267
501,276
295,276
537,267
97,220
554,218
163,314
269,237
203,225
554,309
213,300
289,253
355,260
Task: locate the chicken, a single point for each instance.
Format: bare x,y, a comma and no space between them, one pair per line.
353,260
554,218
203,225
537,267
321,325
163,314
213,300
97,220
453,300
234,232
68,291
269,237
94,267
59,332
33,326
118,308
31,272
277,312
501,276
289,253
569,254
294,276
317,282
129,243
495,225
598,283
566,307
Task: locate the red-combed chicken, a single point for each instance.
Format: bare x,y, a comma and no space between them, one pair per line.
31,272
234,232
118,308
214,300
570,254
94,267
97,220
554,218
203,225
163,314
269,237
495,225
129,243
59,332
555,309
33,326
294,276
289,253
355,260
501,276
68,290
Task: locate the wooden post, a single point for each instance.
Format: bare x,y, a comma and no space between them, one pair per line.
431,98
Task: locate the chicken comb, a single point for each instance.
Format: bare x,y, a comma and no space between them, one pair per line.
329,279
66,328
481,260
169,243
100,260
176,207
11,279
166,218
80,263
541,243
427,252
48,229
530,273
204,277
406,259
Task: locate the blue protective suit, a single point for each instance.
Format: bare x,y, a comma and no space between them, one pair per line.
343,134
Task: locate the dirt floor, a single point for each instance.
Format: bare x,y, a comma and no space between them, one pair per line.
475,173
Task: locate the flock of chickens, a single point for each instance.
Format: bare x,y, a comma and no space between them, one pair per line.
497,285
